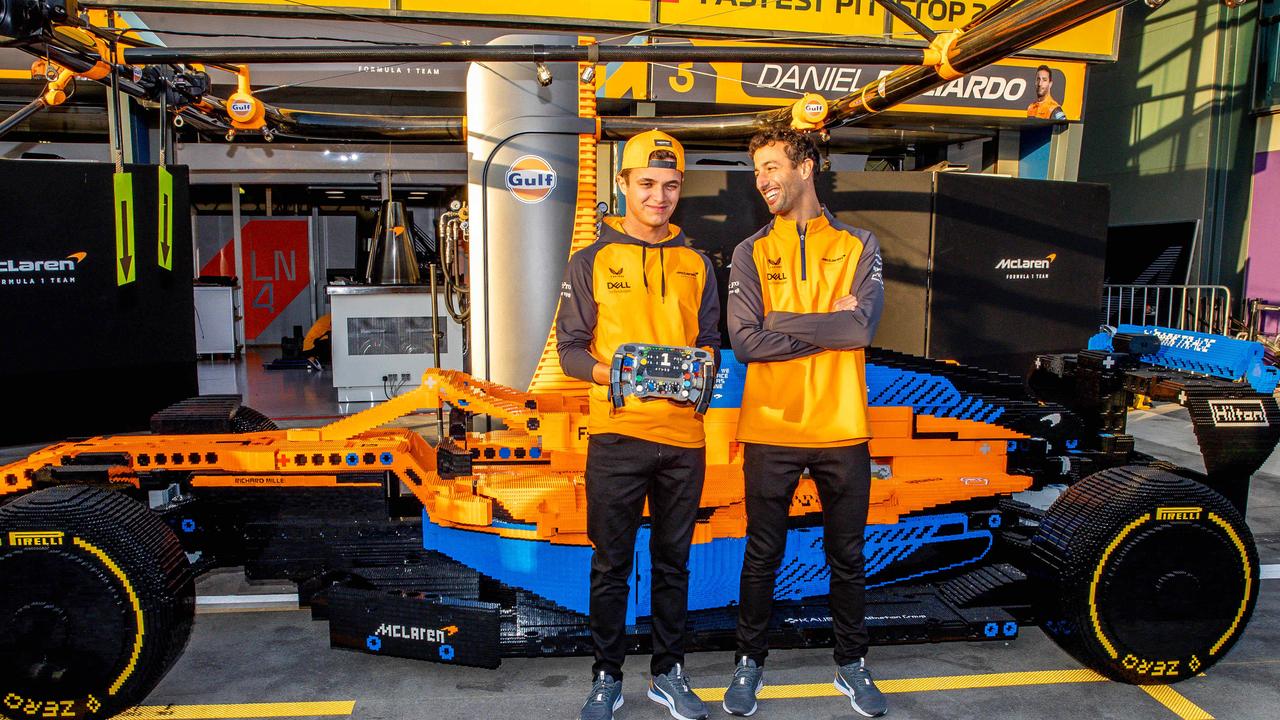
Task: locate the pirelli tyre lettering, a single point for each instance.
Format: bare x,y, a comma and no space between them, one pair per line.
96,603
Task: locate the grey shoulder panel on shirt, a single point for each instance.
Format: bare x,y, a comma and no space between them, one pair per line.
862,233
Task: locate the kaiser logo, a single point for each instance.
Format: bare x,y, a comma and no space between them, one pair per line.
531,179
1238,413
40,272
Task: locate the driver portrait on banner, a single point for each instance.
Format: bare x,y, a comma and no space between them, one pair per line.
1045,107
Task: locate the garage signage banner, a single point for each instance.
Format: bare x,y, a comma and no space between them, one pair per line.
1002,90
838,20
277,262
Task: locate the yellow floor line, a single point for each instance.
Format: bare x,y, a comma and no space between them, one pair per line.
1176,701
928,684
240,711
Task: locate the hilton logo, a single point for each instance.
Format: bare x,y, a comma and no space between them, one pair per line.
1179,513
34,539
1238,413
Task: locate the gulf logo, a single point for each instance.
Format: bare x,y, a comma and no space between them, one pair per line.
531,179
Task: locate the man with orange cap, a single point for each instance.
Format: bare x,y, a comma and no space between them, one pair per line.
640,282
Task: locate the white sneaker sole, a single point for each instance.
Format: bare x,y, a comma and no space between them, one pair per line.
661,698
848,692
759,687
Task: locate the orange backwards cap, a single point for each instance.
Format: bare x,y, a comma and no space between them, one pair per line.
639,148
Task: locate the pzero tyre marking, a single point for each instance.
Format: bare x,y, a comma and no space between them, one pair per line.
140,628
1248,582
1097,576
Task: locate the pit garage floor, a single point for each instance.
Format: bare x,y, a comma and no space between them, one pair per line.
254,655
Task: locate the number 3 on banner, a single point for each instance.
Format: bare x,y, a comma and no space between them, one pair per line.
126,268
682,81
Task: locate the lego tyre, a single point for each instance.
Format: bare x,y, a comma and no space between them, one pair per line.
96,603
1152,576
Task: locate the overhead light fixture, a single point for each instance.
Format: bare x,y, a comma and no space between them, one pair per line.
544,74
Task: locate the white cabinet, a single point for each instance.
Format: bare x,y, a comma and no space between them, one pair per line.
215,320
382,339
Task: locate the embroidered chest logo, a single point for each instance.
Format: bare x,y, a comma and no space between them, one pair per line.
839,258
774,275
615,282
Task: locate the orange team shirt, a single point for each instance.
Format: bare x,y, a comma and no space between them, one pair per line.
621,289
806,374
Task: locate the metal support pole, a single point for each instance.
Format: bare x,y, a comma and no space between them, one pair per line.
435,346
22,114
435,317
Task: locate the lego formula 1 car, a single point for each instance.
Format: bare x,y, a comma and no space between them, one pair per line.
995,504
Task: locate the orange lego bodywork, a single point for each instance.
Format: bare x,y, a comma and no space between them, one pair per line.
532,477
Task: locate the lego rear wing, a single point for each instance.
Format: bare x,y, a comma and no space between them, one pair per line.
1223,382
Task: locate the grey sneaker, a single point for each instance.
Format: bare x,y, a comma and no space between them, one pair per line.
672,690
740,698
854,681
605,697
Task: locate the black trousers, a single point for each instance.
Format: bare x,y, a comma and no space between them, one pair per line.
621,472
843,478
